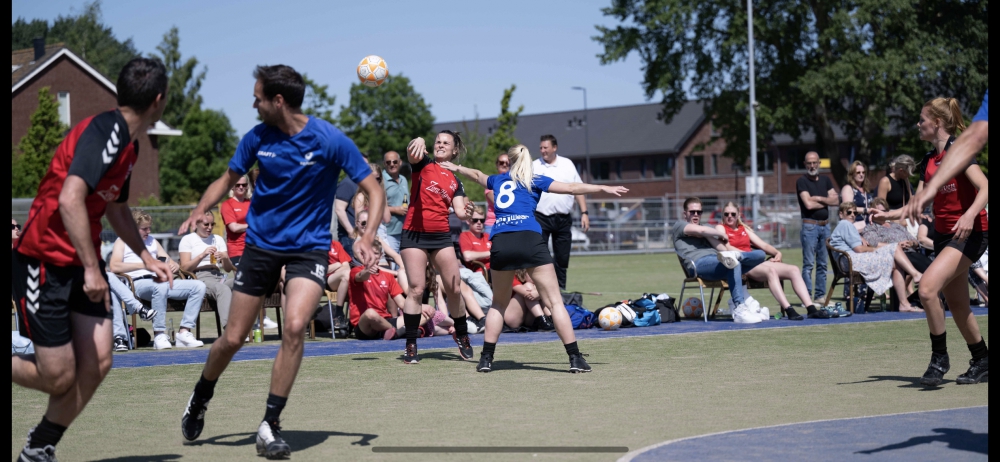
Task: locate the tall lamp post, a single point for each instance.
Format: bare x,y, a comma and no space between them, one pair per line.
586,133
755,193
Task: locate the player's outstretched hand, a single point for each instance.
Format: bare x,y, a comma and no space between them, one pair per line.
448,166
161,271
470,208
96,287
189,224
915,209
416,150
365,253
616,190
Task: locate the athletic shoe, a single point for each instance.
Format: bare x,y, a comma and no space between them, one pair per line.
833,311
389,334
471,326
481,325
792,315
186,340
161,342
546,324
464,346
43,454
764,313
820,313
269,442
146,313
485,363
936,370
843,312
120,343
269,324
979,371
577,364
193,420
339,327
729,258
743,314
410,357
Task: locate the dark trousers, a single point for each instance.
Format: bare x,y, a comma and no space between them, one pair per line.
559,227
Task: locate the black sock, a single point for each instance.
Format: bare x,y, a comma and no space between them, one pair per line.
46,433
412,324
979,350
939,343
489,348
204,390
790,312
572,349
275,404
338,311
811,309
461,327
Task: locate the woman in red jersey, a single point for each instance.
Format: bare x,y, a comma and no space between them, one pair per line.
234,216
741,238
426,237
962,236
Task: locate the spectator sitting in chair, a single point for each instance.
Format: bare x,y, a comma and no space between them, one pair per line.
205,255
741,238
338,270
882,267
124,260
525,308
474,244
121,294
372,316
706,248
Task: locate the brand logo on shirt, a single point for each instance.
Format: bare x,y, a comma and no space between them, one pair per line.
309,155
949,188
383,284
436,189
308,162
266,154
112,148
109,194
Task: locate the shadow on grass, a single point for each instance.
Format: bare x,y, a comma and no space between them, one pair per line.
956,438
364,359
908,382
299,439
508,365
438,356
154,458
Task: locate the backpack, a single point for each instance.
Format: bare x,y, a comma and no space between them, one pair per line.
582,319
646,313
572,298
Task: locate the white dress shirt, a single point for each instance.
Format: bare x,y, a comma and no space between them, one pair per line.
562,170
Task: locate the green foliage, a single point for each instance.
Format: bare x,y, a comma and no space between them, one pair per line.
318,101
84,34
189,163
866,66
34,152
482,151
503,137
185,79
385,118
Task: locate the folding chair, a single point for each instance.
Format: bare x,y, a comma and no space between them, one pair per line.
844,275
691,277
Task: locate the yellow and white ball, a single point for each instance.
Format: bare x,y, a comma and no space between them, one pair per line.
373,71
610,319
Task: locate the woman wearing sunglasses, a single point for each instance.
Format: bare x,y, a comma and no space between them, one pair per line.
15,232
234,216
503,166
773,271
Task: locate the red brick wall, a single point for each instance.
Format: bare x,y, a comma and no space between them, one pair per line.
87,97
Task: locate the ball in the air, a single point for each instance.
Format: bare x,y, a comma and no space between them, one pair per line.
693,308
373,71
610,319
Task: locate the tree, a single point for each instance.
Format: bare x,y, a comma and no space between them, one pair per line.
865,66
482,150
502,138
318,102
385,118
84,34
189,163
35,151
185,79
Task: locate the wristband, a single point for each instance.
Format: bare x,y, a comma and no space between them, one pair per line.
584,213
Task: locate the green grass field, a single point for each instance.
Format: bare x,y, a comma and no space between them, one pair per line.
642,391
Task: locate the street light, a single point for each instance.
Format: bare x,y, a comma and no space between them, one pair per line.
586,132
755,197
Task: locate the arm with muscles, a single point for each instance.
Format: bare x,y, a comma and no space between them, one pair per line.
965,224
215,192
73,210
394,309
706,232
120,217
961,153
884,185
472,255
584,188
720,228
376,200
229,218
923,238
810,202
174,267
471,173
584,216
117,261
832,198
759,243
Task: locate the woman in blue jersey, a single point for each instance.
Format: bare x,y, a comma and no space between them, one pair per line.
517,244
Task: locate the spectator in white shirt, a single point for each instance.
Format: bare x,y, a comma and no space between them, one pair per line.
205,255
123,260
553,211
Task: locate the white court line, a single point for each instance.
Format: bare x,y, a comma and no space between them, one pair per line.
631,455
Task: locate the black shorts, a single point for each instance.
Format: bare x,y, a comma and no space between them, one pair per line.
358,334
518,250
45,294
426,241
972,247
260,269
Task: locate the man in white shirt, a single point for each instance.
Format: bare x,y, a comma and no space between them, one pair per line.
147,287
205,255
553,211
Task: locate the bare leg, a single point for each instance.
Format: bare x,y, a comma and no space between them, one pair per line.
957,294
548,287
899,285
471,305
767,272
447,264
517,313
303,297
415,261
502,281
371,322
242,314
948,266
905,266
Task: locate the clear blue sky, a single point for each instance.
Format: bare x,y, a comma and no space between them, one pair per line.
460,55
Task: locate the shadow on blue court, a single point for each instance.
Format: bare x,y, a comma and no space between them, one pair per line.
946,435
147,358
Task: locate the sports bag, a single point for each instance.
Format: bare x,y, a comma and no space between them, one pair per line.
646,313
572,298
582,319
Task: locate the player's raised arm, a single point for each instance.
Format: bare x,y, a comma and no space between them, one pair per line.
584,188
215,192
471,173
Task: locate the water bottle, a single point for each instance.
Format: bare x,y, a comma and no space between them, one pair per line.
258,335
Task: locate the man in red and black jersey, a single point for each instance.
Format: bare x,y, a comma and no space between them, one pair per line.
58,280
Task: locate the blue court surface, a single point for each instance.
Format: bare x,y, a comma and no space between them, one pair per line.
945,435
148,358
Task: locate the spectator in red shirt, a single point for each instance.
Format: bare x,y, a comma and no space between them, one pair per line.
338,272
372,316
234,216
474,243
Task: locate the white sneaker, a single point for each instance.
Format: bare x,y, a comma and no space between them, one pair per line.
730,258
161,342
752,303
269,324
764,313
744,315
186,340
472,326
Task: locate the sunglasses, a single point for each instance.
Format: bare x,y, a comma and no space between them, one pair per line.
363,224
209,224
694,212
393,162
13,227
730,214
240,186
859,173
503,164
479,220
850,212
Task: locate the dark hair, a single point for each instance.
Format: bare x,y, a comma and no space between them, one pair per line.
139,83
282,80
689,201
551,138
459,144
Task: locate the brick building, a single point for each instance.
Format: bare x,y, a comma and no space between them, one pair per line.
82,92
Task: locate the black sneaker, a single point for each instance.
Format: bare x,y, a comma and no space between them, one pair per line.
43,454
544,324
146,313
485,363
464,346
481,325
410,357
340,327
577,364
120,343
821,313
269,442
936,370
193,420
979,372
792,315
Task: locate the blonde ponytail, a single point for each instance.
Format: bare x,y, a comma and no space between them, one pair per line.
520,166
948,112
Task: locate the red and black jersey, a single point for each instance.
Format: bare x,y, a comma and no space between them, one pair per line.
100,151
954,198
432,189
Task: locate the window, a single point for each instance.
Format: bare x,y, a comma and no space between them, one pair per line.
694,166
797,159
715,164
601,169
663,167
63,98
765,161
642,168
618,168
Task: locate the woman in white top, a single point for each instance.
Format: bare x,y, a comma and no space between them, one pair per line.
206,255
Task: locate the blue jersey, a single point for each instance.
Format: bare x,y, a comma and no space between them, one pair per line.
293,198
514,205
984,109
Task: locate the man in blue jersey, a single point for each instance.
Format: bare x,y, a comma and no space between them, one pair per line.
300,159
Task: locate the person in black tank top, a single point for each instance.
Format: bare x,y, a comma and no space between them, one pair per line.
895,187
